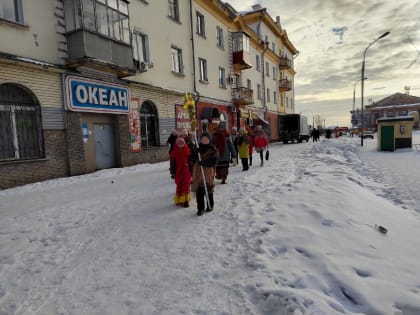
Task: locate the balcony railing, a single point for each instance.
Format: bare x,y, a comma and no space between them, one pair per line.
285,85
243,96
285,63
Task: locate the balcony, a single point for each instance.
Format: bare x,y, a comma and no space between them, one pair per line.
285,63
242,96
241,56
285,85
91,49
241,61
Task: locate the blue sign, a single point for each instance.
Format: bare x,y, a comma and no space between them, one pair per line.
88,95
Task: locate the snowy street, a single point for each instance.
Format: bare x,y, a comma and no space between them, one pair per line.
296,236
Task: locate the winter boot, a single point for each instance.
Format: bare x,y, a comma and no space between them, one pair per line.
186,204
200,212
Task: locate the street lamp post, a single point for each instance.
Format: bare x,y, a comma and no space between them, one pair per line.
362,78
354,99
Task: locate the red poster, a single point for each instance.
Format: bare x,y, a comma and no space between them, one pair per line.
134,123
182,119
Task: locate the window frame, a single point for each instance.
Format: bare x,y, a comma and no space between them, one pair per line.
222,77
259,96
102,24
145,46
18,16
202,63
258,62
200,24
149,139
21,137
220,37
173,10
177,65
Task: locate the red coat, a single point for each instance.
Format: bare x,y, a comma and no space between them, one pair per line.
261,140
182,171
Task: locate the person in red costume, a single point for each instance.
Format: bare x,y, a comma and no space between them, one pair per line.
260,142
180,157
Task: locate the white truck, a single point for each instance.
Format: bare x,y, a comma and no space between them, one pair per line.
293,127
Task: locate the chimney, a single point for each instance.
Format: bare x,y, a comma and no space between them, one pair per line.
256,7
278,21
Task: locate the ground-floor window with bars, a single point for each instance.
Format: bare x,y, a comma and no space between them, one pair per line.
149,125
20,126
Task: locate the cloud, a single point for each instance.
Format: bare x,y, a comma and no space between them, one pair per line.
339,31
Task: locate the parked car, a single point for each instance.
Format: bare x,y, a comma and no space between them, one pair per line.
367,134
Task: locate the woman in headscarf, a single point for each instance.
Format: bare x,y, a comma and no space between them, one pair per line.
226,152
180,155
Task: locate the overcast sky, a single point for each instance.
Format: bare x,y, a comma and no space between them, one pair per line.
331,36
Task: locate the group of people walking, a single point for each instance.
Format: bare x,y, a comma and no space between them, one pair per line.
195,167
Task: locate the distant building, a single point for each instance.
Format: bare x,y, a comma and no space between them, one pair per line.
398,104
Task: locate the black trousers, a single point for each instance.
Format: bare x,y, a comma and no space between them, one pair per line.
245,166
201,199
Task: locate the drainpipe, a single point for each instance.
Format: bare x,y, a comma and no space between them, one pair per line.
197,94
264,104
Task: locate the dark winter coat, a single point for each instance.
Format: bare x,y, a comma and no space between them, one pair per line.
208,154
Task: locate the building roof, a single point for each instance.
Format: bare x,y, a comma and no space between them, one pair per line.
396,99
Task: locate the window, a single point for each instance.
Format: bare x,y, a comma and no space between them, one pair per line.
248,84
222,78
173,9
287,102
176,58
140,47
259,91
200,24
149,125
268,95
257,61
219,37
107,17
273,47
267,69
275,100
11,10
203,69
274,73
20,124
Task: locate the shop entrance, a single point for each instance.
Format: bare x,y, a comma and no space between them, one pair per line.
104,145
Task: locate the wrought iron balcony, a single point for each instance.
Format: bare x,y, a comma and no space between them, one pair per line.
285,63
243,96
285,85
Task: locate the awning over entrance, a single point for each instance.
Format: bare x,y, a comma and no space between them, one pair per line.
210,113
256,120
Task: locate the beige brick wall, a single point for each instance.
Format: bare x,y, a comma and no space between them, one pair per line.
53,166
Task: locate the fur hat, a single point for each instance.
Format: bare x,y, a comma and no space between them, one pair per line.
180,142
